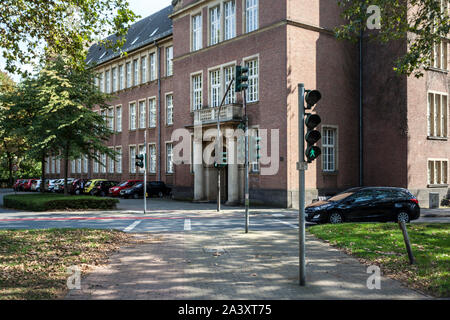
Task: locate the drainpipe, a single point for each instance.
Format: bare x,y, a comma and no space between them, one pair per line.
159,111
361,137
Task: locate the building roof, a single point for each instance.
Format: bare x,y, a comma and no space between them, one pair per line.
143,32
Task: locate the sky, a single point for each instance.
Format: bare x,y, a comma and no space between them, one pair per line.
143,8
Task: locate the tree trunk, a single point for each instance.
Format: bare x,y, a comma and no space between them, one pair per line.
43,172
10,164
66,168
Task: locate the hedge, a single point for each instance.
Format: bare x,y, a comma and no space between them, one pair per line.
38,202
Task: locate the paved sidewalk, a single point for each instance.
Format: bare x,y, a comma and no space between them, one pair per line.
232,265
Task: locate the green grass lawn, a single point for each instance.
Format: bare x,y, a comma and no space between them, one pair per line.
382,244
33,263
49,201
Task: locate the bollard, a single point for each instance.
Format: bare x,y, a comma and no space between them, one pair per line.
407,242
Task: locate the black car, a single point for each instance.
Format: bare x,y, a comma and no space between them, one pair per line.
102,188
157,188
375,204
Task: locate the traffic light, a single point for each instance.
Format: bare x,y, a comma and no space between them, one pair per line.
311,122
140,161
241,76
222,161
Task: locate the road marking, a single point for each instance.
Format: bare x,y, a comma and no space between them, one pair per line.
132,226
279,215
187,224
287,223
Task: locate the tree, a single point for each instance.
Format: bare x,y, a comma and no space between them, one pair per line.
422,23
60,26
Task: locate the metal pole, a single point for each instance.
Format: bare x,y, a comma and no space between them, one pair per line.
407,242
145,172
301,188
247,195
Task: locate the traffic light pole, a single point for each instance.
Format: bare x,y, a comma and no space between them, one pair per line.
247,195
302,165
145,172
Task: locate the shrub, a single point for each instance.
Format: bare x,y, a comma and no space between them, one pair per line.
445,202
38,202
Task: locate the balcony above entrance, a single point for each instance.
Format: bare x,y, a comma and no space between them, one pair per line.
232,112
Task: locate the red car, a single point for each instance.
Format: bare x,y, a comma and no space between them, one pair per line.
27,185
115,191
17,186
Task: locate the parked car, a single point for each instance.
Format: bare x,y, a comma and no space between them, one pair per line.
18,184
59,186
35,185
77,186
366,204
115,191
135,192
158,188
50,184
26,186
102,188
90,185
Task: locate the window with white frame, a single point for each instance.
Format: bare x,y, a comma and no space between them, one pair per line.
437,172
132,159
135,72
142,113
152,66
101,83
440,55
152,164
111,119
114,79
119,118
73,166
142,151
128,71
107,81
143,69
255,163
119,160
133,116
230,19
169,109
152,112
103,163
85,164
111,163
251,15
169,158
329,141
47,165
79,165
196,92
103,114
228,76
214,86
253,80
96,164
169,61
437,115
53,166
214,25
58,165
121,78
196,32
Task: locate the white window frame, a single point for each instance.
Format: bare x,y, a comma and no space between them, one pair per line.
144,69
142,107
79,162
111,163
169,158
152,112
227,77
108,81
215,86
111,118
196,91
229,19
121,77
197,32
214,25
136,72
152,158
152,58
118,164
128,72
169,109
132,157
326,147
58,166
437,172
103,163
85,164
169,61
114,79
101,82
253,79
132,113
437,114
119,118
96,165
440,55
142,150
251,15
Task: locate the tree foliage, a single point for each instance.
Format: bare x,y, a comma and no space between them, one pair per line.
422,23
65,27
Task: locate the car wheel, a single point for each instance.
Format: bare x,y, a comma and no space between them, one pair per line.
403,216
77,192
335,218
160,194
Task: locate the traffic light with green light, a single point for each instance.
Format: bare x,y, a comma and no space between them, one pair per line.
140,161
241,76
311,122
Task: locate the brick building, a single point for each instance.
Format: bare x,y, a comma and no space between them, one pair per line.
181,59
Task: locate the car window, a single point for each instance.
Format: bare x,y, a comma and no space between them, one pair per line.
363,196
341,196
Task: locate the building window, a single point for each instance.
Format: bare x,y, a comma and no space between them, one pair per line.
103,163
169,109
135,72
152,66
438,172
196,32
111,119
144,70
440,55
58,166
119,160
253,81
79,165
253,147
85,164
230,19
152,113
437,115
329,140
214,25
53,164
103,114
96,164
121,78
119,118
47,165
107,82
101,82
197,92
111,163
229,75
251,15
142,151
214,86
142,118
169,156
114,79
152,150
128,66
132,159
133,116
169,61
73,166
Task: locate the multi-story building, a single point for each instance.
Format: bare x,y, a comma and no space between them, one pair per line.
181,60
